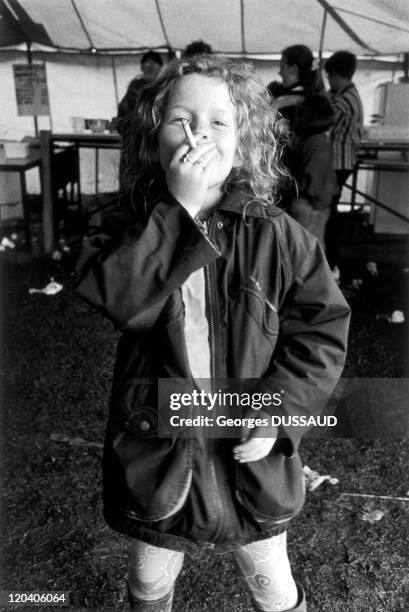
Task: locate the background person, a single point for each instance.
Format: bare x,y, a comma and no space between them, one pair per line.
206,279
302,102
197,47
300,79
151,65
345,135
309,159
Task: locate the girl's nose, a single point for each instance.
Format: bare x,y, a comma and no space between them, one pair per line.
200,131
201,136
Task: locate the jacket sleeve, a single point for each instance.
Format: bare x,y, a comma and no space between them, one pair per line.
312,343
128,275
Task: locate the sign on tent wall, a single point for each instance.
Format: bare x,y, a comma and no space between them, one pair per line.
31,89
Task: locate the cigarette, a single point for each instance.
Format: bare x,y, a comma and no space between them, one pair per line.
189,135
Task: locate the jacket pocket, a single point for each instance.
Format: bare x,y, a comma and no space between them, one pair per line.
253,300
253,330
271,489
149,476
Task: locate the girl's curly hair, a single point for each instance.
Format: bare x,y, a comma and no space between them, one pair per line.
259,140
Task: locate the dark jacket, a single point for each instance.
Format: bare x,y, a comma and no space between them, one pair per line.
128,104
308,155
286,99
310,162
275,314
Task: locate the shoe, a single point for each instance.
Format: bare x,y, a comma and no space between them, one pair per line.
301,605
164,604
302,602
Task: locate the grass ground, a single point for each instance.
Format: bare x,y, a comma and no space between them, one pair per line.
56,376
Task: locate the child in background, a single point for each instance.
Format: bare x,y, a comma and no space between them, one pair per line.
207,279
345,135
309,159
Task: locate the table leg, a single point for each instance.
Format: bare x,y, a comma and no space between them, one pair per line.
48,217
96,173
26,209
354,186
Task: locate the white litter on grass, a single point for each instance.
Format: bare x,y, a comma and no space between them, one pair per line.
2,248
313,479
7,243
76,441
373,496
58,253
373,516
372,268
51,289
396,317
356,283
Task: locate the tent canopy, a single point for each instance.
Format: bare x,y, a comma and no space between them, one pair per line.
233,27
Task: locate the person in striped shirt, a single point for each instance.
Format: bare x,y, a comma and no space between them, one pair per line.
345,134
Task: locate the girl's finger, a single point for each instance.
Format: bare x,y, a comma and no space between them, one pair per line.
206,158
253,456
249,444
194,155
184,150
253,449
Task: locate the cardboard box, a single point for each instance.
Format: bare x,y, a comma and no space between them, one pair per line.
14,150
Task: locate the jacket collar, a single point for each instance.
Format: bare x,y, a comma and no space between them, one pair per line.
242,203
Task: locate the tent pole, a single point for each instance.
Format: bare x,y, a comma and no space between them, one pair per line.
242,30
115,80
30,61
338,20
405,78
324,23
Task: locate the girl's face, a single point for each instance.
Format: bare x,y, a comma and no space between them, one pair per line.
205,103
288,73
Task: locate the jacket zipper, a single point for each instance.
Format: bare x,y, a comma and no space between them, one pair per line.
212,298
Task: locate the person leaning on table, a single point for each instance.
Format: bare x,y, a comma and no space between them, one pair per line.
151,65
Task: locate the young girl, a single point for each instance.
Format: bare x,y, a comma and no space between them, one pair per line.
208,280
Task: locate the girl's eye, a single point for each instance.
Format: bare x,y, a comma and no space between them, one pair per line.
180,120
219,123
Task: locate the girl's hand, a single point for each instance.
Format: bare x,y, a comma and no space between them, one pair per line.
254,447
187,175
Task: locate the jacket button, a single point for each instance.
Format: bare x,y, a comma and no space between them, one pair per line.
220,224
144,426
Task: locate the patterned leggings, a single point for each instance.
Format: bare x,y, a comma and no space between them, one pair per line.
264,566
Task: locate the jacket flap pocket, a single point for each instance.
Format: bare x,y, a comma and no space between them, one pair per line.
253,299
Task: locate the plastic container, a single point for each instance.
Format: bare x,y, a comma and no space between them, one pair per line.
14,150
97,125
78,124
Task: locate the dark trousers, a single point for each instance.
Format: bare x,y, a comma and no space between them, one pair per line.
332,228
